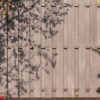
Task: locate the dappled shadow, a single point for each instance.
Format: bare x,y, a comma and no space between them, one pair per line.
28,15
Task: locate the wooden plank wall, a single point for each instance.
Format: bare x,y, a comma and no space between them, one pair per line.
76,65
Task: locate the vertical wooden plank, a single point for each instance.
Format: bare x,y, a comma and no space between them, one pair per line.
65,72
82,72
93,73
76,71
37,50
46,49
48,12
42,46
13,28
24,49
37,80
70,72
43,28
87,78
35,43
93,42
76,26
87,26
76,50
83,25
13,68
71,25
37,64
98,29
87,8
35,73
32,71
23,60
3,57
54,72
43,85
20,26
54,38
65,26
49,74
76,9
24,24
93,22
3,71
31,24
13,73
59,92
97,74
60,39
60,29
34,37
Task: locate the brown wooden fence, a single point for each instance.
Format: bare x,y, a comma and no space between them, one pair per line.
34,63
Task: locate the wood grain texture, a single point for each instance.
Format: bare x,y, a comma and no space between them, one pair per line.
83,25
71,34
13,70
76,71
82,71
93,27
98,29
46,52
54,73
65,73
93,69
23,23
70,72
3,57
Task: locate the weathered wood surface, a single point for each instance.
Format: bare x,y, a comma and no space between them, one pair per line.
41,60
